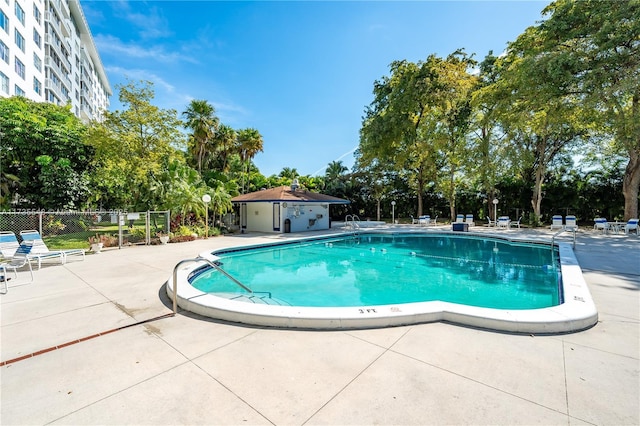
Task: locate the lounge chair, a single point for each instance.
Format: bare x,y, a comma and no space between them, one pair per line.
20,259
490,222
8,244
600,224
516,224
424,219
434,221
459,218
469,219
414,221
632,225
556,222
503,222
40,250
570,223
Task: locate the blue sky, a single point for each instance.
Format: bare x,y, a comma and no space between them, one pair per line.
301,73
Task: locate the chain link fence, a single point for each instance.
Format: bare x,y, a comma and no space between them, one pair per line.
122,228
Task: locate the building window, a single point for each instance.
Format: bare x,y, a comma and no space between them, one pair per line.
4,52
37,62
4,22
20,70
19,13
4,83
36,14
19,40
37,38
37,86
18,91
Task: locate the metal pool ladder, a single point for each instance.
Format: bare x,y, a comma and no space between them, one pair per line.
213,265
560,232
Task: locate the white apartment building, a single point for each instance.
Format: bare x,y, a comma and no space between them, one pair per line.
47,54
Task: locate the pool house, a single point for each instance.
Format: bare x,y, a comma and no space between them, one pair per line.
285,209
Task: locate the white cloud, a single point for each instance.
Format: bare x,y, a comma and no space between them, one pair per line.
112,45
141,74
150,23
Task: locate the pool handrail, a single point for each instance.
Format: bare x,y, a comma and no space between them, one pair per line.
560,232
213,265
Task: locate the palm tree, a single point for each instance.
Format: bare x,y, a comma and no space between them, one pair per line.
202,120
249,144
225,139
334,177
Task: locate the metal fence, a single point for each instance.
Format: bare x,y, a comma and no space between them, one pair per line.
125,227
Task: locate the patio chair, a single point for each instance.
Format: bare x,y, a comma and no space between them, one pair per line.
516,224
414,221
424,219
40,250
8,244
490,222
434,221
556,222
503,222
20,259
459,218
600,224
570,223
632,225
469,219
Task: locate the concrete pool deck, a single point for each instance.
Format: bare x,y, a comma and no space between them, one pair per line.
127,362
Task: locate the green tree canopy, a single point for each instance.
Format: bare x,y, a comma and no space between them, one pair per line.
133,145
29,130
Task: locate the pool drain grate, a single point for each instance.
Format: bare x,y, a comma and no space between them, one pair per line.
84,339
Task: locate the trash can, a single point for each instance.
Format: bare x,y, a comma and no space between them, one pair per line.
461,227
287,226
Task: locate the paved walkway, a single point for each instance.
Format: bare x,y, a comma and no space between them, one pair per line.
122,360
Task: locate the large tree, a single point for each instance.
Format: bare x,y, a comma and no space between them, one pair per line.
591,49
132,146
418,121
540,122
30,130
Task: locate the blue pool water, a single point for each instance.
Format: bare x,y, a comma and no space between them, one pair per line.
393,269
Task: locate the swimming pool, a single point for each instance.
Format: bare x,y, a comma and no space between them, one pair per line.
382,279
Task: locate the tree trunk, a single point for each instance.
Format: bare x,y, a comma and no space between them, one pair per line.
536,199
420,191
631,185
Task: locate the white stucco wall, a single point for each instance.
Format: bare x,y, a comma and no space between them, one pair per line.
260,217
303,216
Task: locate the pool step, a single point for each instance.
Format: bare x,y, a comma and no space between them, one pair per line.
261,299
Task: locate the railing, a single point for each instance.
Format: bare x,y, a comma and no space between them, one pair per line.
352,221
210,263
560,232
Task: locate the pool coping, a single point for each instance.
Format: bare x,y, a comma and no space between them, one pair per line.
577,312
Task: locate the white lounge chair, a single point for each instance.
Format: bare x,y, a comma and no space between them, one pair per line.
490,222
20,259
469,219
632,225
503,222
556,222
516,224
459,218
424,219
40,250
570,223
8,244
600,224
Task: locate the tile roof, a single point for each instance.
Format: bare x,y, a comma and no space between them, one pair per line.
284,193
